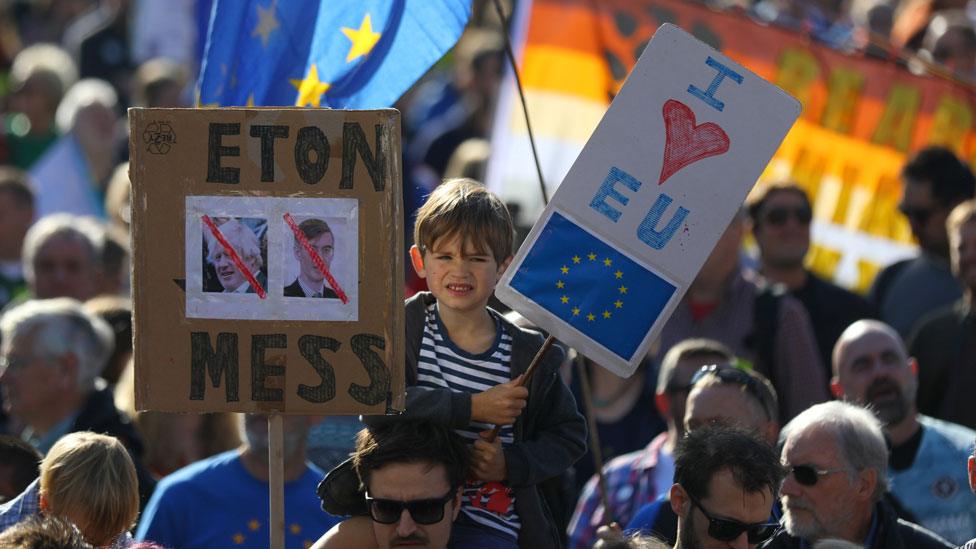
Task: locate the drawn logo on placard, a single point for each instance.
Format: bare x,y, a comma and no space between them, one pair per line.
686,142
159,137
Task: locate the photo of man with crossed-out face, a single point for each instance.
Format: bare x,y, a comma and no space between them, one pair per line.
246,244
311,282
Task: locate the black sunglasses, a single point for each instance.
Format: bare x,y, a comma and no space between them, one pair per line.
918,215
733,374
423,511
779,216
808,475
728,529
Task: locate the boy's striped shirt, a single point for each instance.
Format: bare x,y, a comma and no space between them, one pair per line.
443,365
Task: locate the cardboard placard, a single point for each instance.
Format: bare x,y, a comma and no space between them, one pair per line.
643,205
267,260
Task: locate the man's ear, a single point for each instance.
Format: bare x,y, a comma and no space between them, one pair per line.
867,480
456,504
835,387
663,403
971,465
417,260
680,503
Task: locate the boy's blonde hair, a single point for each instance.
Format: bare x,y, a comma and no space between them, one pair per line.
466,208
90,479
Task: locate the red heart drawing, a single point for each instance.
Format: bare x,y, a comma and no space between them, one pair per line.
687,143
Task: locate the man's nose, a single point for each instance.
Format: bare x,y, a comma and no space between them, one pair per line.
741,542
406,526
790,487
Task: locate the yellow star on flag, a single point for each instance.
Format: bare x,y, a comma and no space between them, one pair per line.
622,289
607,262
560,284
254,525
363,39
591,256
606,314
250,100
576,311
576,259
238,538
295,529
564,299
564,269
618,274
618,304
267,23
591,317
310,89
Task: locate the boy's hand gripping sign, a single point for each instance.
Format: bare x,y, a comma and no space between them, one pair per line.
643,205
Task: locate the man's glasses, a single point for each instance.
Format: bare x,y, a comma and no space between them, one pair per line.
423,511
727,529
731,374
779,216
917,215
808,475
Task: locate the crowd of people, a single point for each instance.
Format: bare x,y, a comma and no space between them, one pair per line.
776,410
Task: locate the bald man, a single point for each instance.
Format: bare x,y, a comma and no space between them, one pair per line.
871,367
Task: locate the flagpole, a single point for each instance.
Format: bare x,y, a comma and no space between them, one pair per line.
276,481
524,378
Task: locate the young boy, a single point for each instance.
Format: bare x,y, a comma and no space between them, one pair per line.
463,364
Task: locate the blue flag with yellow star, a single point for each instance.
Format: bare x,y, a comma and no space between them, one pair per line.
349,54
591,286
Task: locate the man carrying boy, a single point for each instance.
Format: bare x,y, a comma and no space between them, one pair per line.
464,362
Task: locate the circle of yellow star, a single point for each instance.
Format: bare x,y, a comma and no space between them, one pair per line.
591,317
310,89
618,304
238,538
622,289
564,299
267,23
295,529
560,284
618,274
576,311
254,524
607,262
576,259
606,314
591,256
564,269
363,39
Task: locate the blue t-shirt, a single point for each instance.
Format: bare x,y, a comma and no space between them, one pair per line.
935,489
217,503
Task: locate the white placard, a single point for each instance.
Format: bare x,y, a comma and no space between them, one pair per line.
653,189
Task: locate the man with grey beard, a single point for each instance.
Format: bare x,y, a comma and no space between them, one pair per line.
872,368
837,473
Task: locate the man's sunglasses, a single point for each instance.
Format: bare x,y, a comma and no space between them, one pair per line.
726,373
808,475
422,511
779,216
918,215
728,529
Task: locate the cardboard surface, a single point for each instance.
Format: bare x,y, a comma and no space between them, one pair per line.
642,207
218,199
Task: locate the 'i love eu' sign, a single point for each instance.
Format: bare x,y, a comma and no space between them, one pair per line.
640,210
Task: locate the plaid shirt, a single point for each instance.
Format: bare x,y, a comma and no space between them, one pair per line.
28,505
630,484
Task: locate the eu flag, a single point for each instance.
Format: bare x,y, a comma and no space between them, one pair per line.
593,287
349,54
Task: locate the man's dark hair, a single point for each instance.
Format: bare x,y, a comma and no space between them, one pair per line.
951,180
710,449
15,182
23,462
48,532
410,441
312,228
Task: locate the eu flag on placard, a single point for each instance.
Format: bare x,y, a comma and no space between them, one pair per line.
593,287
349,54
